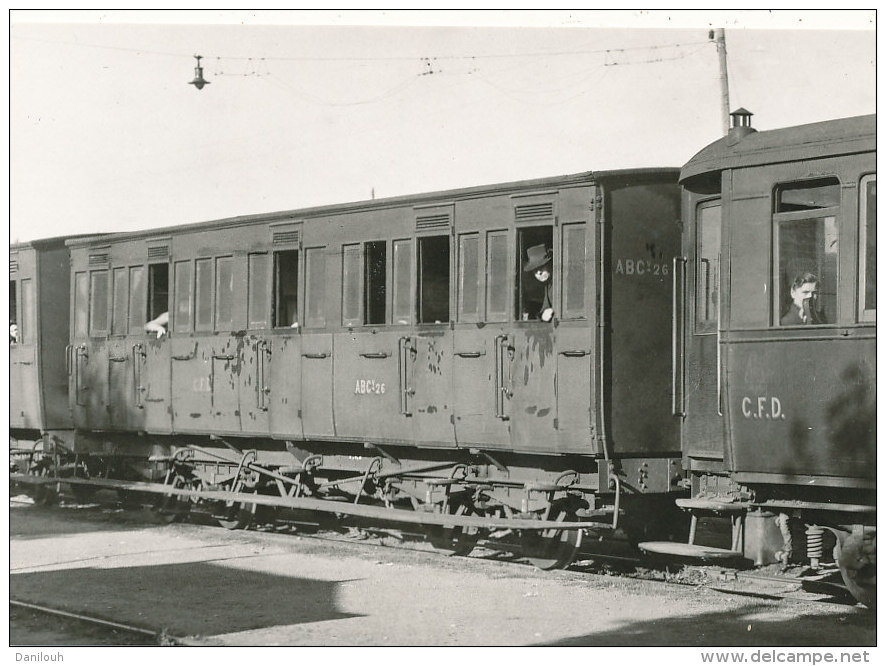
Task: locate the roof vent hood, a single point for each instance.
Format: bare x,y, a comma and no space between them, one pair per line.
740,126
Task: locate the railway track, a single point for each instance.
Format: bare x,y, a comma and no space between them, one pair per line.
94,630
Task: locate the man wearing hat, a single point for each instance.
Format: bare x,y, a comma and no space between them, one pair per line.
539,302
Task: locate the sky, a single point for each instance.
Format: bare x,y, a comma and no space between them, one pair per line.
312,108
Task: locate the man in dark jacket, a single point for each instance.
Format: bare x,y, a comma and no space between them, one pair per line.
804,302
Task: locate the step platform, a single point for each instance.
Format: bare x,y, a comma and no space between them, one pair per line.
711,505
689,551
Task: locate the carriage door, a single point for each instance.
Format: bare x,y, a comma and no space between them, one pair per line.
24,398
481,356
153,376
279,388
531,389
702,432
125,347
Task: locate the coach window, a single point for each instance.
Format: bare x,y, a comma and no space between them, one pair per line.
259,290
535,251
402,281
573,253
351,272
469,282
707,266
14,334
81,305
137,300
203,296
183,297
285,304
119,314
315,269
433,280
98,302
28,322
224,293
867,262
375,279
806,245
497,283
158,290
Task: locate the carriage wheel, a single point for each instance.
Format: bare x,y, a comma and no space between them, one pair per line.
552,548
234,515
857,558
44,494
173,508
456,540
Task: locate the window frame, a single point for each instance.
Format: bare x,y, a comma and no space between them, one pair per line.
402,294
258,298
137,317
178,326
204,327
320,320
420,273
566,268
778,219
479,286
711,325
27,304
121,327
278,292
218,301
95,308
865,315
506,281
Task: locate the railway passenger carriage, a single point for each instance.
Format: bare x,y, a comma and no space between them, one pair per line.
787,408
394,339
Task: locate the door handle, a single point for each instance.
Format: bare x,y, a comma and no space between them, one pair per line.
678,337
375,354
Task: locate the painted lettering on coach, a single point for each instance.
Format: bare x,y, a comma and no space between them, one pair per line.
641,267
762,407
369,387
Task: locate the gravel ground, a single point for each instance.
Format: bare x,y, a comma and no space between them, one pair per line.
256,588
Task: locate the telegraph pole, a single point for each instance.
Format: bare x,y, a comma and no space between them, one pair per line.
718,36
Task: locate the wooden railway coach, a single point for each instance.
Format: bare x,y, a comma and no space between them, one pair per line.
774,388
38,315
394,347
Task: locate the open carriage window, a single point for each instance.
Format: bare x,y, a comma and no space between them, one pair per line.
806,244
286,289
158,290
14,335
867,247
433,280
535,274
